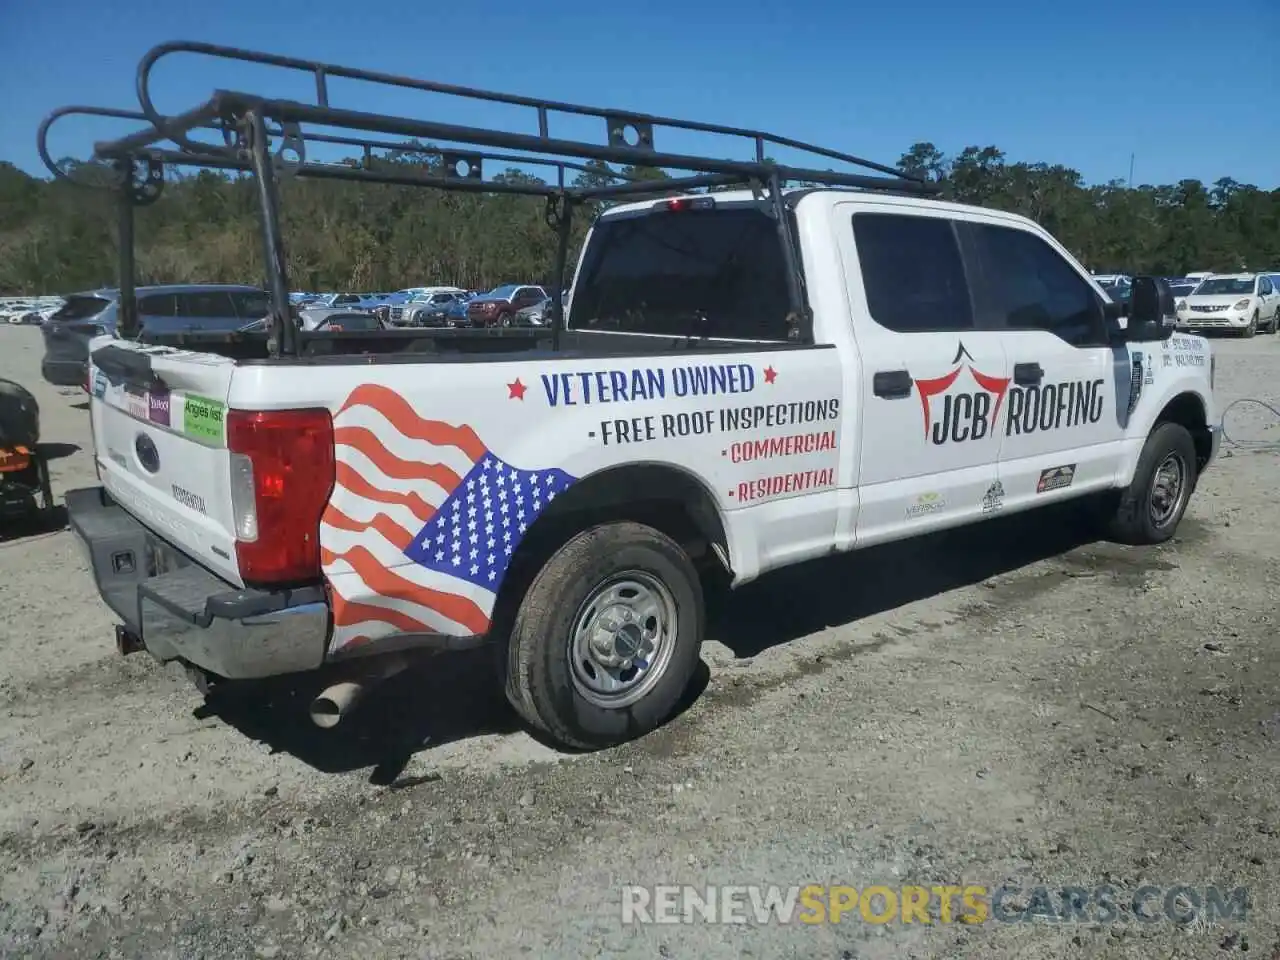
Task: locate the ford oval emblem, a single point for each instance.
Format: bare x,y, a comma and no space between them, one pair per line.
147,453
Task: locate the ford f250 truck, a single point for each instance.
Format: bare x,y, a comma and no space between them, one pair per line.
751,378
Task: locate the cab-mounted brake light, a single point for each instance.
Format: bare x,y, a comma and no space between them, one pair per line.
282,473
681,204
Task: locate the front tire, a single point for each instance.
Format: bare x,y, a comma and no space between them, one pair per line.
607,637
1252,328
1151,507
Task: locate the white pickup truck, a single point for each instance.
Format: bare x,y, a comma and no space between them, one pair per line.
270,516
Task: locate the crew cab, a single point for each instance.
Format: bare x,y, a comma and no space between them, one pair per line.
745,379
964,365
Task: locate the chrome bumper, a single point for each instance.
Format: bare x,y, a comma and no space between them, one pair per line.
181,611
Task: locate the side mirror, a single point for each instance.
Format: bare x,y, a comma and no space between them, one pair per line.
1152,310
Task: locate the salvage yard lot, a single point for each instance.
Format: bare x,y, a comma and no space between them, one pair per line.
1008,704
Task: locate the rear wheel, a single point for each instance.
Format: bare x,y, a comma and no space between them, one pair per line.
1151,507
607,638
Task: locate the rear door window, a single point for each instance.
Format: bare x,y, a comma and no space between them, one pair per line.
912,272
689,273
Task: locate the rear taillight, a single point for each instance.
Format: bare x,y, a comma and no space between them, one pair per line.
282,473
88,378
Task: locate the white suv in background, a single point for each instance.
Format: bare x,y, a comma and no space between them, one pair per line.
1242,302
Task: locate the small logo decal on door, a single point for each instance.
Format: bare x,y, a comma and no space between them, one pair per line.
993,499
926,504
1056,478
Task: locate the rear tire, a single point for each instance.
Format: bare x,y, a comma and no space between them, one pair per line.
1151,507
617,590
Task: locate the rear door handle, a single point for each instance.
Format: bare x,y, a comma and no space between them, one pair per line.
1027,374
892,384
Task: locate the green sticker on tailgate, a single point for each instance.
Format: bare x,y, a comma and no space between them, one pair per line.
202,417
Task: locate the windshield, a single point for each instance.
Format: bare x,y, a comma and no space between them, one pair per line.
717,273
1224,286
504,292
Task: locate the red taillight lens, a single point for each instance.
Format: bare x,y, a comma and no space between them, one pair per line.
291,470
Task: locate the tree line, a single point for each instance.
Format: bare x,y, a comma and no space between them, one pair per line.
58,237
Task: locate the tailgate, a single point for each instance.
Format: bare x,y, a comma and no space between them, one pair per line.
158,417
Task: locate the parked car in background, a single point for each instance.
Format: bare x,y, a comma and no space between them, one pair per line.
351,301
1241,302
1182,287
350,321
498,307
28,310
1119,287
430,309
455,315
534,316
400,314
312,316
161,309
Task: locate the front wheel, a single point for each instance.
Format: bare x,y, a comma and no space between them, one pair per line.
1151,507
1252,328
607,638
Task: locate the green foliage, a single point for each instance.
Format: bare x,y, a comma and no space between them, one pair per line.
60,237
1165,230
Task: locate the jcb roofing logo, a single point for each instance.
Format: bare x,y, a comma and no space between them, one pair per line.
964,416
975,414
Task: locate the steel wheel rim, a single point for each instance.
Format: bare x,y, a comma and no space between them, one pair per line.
1168,490
622,639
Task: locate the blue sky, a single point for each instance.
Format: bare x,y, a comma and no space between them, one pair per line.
1192,90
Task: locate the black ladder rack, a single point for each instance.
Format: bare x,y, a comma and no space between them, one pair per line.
247,126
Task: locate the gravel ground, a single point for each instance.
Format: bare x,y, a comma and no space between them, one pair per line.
981,707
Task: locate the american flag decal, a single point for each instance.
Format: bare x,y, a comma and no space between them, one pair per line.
422,522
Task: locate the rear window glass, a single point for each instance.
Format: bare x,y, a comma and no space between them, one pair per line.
81,308
701,273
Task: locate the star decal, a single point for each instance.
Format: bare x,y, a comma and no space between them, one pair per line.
770,374
516,390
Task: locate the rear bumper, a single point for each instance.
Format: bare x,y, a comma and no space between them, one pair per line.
181,611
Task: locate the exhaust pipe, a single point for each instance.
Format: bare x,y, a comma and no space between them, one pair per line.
340,699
